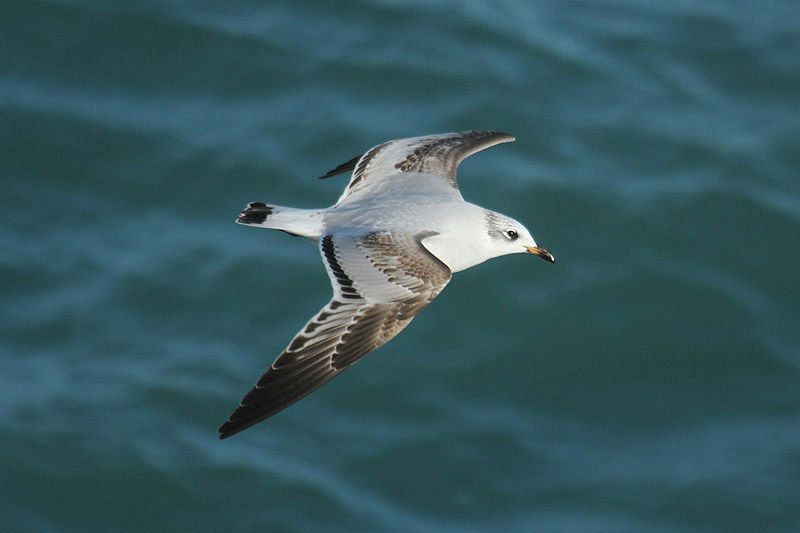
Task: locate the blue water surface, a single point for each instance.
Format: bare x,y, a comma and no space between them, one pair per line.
649,380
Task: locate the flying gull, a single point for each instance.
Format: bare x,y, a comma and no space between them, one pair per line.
390,245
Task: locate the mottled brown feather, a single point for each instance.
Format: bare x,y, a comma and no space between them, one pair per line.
345,330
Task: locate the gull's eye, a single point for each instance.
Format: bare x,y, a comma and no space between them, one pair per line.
511,234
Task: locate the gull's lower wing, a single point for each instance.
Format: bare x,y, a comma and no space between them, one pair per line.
380,282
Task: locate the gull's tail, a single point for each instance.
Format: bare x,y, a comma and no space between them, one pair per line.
302,222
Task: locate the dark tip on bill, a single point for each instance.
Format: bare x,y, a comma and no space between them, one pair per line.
544,253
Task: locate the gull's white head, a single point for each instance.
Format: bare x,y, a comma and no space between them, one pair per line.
507,236
481,236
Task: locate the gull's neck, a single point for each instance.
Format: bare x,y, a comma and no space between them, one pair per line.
463,241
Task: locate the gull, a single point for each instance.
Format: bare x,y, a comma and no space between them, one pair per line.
390,245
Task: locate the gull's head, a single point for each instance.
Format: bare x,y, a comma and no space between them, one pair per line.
507,236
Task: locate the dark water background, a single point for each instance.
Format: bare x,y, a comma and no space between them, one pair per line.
648,381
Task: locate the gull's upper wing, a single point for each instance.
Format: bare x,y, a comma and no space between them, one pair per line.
380,282
437,155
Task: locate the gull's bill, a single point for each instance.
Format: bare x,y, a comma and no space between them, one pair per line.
544,253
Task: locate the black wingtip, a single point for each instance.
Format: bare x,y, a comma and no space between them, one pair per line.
231,427
349,166
255,213
224,432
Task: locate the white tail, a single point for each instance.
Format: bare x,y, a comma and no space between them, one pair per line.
302,222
